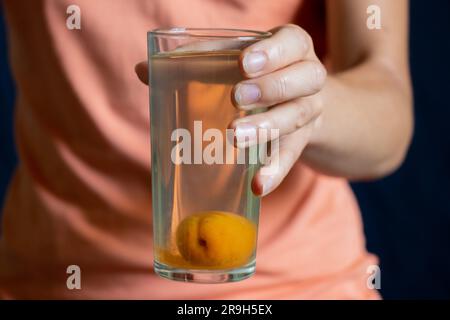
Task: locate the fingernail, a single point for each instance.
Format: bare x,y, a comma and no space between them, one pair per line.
245,134
267,185
247,94
254,61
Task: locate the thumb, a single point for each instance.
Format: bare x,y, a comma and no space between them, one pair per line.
141,70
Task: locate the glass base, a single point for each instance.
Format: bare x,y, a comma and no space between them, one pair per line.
205,276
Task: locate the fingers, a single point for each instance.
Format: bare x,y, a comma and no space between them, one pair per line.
288,45
141,70
278,121
269,177
298,80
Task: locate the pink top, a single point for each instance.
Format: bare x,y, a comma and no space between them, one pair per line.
81,193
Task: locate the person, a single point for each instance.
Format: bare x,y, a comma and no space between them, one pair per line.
339,94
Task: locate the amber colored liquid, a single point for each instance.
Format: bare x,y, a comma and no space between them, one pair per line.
188,87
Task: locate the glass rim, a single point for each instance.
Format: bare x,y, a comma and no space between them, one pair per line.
210,33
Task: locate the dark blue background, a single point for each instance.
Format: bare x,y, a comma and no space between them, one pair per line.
8,158
406,216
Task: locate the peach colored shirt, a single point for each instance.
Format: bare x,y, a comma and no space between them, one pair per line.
81,193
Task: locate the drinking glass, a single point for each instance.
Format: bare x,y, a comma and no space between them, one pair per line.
205,216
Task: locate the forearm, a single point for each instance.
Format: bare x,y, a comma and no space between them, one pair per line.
366,126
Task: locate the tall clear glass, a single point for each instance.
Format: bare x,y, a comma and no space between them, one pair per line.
205,216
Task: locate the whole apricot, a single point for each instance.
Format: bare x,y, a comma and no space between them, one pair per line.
216,239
